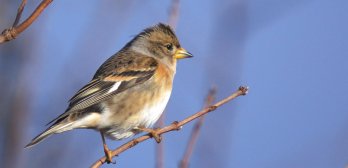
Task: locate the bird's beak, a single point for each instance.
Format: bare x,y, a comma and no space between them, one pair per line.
182,53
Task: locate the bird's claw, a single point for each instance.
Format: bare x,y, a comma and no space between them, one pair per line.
153,133
156,136
108,155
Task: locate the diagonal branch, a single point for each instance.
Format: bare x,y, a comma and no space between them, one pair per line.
174,126
12,32
196,129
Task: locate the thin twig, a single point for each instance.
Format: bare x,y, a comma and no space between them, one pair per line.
174,13
172,127
19,13
196,129
12,32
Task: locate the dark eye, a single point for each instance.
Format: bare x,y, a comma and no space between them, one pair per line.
169,47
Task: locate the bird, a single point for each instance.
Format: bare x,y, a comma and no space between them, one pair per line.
128,92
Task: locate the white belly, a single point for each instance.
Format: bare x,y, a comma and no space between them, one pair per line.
147,118
152,112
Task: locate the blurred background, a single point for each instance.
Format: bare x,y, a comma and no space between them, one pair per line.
292,54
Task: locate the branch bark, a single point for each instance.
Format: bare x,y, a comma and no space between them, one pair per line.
195,131
12,32
176,125
19,13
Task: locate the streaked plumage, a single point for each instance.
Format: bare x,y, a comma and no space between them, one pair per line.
130,90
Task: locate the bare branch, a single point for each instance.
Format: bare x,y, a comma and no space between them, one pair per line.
19,13
196,129
12,32
174,126
174,13
172,21
160,146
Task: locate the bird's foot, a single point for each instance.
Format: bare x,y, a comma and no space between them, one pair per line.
152,132
108,155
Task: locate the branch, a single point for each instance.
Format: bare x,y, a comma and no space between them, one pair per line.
12,32
174,13
172,21
196,129
160,146
174,126
19,13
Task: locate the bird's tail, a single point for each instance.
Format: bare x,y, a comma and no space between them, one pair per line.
55,128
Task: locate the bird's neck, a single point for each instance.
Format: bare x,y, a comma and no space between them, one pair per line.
169,62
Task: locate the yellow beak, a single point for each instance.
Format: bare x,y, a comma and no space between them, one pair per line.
182,53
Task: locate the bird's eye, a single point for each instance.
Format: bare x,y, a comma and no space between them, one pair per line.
169,47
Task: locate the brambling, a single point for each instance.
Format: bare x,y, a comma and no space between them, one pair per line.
129,91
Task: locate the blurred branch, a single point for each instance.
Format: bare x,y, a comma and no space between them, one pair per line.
176,125
19,13
196,129
174,13
12,32
172,21
160,146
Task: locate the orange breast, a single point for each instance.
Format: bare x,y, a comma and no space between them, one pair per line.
164,76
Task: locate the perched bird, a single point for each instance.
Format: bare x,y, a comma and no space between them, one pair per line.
129,91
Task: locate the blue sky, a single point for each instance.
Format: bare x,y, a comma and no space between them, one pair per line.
292,55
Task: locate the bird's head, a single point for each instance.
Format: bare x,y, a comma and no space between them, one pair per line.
160,42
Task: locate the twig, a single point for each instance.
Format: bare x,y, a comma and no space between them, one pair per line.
12,32
174,126
174,13
196,129
19,13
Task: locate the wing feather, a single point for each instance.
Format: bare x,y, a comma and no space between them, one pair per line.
126,71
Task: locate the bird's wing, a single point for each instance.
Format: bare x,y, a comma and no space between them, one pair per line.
116,75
